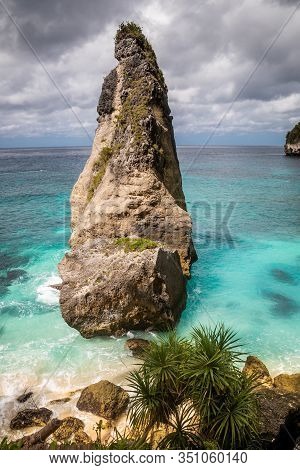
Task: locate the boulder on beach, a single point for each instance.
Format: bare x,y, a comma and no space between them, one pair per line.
288,382
71,430
103,399
137,346
255,367
31,417
24,397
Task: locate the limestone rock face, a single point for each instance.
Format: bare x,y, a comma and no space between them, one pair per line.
106,290
254,366
292,144
288,382
103,399
131,189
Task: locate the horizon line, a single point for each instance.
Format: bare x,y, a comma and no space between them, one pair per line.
177,146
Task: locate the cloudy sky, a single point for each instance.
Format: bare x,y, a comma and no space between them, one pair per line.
232,67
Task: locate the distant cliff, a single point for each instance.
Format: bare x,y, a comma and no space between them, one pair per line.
292,143
131,245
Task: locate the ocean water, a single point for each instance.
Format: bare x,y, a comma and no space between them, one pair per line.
245,205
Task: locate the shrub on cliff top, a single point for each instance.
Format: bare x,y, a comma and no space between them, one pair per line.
129,29
132,30
293,136
196,391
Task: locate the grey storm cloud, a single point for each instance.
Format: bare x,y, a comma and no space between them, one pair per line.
53,26
207,49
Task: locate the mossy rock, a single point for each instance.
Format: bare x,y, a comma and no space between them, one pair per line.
104,399
72,431
135,244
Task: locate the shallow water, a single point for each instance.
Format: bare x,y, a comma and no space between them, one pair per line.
248,273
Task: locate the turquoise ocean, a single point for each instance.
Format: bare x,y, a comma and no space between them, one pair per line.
245,204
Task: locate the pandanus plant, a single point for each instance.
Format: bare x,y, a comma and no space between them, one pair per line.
195,389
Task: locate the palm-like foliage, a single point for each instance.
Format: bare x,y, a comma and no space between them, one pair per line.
184,430
194,388
164,361
148,404
212,367
237,419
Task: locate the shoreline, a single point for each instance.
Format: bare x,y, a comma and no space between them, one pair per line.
66,398
62,402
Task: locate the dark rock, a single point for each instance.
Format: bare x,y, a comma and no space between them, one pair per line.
56,286
137,346
288,382
24,397
255,367
60,400
71,430
275,408
289,431
31,417
106,100
103,399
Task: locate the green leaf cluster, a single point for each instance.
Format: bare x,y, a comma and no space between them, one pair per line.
5,444
194,387
135,244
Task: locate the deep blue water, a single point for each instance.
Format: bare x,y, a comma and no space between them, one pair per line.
245,205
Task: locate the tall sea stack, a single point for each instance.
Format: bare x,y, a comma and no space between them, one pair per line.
292,143
131,245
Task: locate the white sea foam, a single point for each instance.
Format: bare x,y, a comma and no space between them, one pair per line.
47,294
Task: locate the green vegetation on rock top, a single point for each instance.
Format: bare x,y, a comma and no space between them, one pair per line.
99,169
293,136
129,29
132,30
135,244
